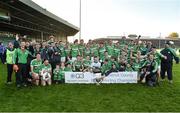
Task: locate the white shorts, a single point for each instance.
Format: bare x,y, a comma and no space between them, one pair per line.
159,67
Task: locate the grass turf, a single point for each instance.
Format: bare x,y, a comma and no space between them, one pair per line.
91,98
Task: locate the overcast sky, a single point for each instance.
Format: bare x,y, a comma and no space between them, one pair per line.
102,18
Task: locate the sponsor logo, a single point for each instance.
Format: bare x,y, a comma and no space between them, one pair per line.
77,75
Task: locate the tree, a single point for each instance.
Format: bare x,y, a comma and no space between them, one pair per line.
174,35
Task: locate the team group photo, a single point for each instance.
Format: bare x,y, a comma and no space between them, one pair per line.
48,64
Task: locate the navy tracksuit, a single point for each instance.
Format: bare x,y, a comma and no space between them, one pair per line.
166,64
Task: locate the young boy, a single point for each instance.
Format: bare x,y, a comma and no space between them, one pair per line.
56,74
62,72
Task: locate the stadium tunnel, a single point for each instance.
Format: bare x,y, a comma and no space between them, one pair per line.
27,18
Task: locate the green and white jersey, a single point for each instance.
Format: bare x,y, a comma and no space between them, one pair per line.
105,68
143,50
45,68
110,50
62,73
157,57
36,65
94,50
116,51
21,55
154,66
87,52
68,69
105,57
146,63
129,69
81,50
56,74
110,62
62,51
122,44
136,66
74,51
67,51
135,49
101,52
86,63
77,65
130,46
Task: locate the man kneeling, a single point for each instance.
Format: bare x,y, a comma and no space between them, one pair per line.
150,75
46,72
35,69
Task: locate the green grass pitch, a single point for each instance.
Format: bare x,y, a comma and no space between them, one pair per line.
91,98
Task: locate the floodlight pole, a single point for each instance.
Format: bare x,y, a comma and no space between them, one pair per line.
79,20
42,36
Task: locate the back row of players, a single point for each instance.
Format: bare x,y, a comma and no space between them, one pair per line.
48,61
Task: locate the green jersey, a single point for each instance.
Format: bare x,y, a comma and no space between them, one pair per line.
94,50
105,68
56,74
74,50
101,52
36,65
68,69
136,66
77,65
104,57
67,51
87,52
62,51
122,43
143,50
87,63
45,68
129,69
81,50
62,73
110,50
135,49
130,46
157,57
151,66
116,52
110,63
21,55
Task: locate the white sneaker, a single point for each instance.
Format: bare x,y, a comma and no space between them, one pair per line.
9,83
98,84
162,80
170,81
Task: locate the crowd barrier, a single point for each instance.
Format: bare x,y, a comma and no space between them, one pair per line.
90,78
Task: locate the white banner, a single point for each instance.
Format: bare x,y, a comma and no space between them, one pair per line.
89,78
